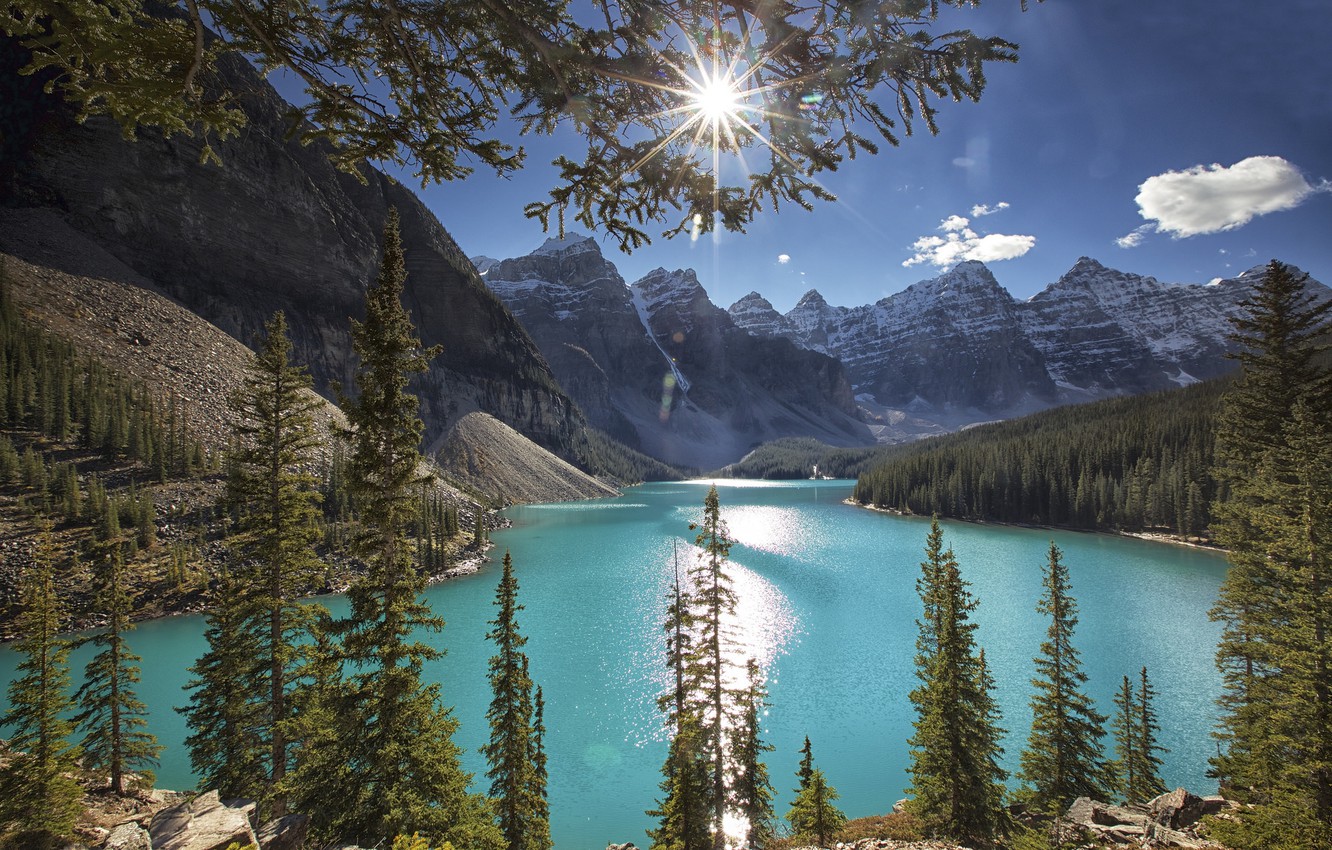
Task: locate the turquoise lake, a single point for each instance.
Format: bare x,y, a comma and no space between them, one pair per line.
828,606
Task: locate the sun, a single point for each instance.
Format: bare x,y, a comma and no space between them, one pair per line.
717,98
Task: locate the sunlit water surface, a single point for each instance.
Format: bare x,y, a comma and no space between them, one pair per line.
827,606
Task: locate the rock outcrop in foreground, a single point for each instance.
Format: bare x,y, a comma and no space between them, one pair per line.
1170,820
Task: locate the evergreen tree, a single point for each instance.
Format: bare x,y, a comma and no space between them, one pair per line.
806,766
1275,446
540,825
224,713
1063,759
514,785
38,796
1148,770
714,601
403,772
683,811
112,715
956,779
1124,726
274,497
813,817
752,788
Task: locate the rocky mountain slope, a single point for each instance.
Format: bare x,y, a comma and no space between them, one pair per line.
277,227
959,348
71,286
659,366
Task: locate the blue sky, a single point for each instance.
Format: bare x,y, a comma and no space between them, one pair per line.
1212,116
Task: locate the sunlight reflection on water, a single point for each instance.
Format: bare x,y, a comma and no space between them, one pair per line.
761,628
769,529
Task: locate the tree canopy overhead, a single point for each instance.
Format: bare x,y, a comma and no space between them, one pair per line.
657,90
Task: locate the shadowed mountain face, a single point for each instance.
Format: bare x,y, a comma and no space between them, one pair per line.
661,367
276,227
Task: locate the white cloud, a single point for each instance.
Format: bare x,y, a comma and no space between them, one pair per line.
983,209
999,246
1212,198
783,258
1134,238
964,162
960,243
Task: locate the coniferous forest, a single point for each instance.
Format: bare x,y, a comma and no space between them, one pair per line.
1129,464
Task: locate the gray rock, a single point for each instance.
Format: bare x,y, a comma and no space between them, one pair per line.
1162,836
285,833
128,836
625,846
203,823
1179,809
250,807
1088,812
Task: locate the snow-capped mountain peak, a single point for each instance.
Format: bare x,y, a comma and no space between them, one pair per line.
571,243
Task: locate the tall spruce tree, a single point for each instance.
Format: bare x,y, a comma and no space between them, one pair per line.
112,716
683,819
224,712
510,753
38,796
1274,442
1136,730
957,783
752,788
403,773
714,600
1064,759
540,824
1124,726
275,497
806,768
812,815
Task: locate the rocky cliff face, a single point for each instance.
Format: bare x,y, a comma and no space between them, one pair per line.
662,368
581,314
959,348
276,227
1106,332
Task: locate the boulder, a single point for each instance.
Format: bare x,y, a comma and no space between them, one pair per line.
1088,812
626,846
1164,836
203,823
162,795
250,807
1179,809
128,836
285,833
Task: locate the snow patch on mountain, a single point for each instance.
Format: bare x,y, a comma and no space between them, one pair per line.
641,305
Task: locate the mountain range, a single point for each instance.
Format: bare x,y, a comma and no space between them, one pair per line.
944,353
660,367
961,342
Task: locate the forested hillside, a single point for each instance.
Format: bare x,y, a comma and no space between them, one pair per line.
1128,464
796,457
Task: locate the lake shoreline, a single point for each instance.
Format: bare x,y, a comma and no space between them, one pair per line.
1149,536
